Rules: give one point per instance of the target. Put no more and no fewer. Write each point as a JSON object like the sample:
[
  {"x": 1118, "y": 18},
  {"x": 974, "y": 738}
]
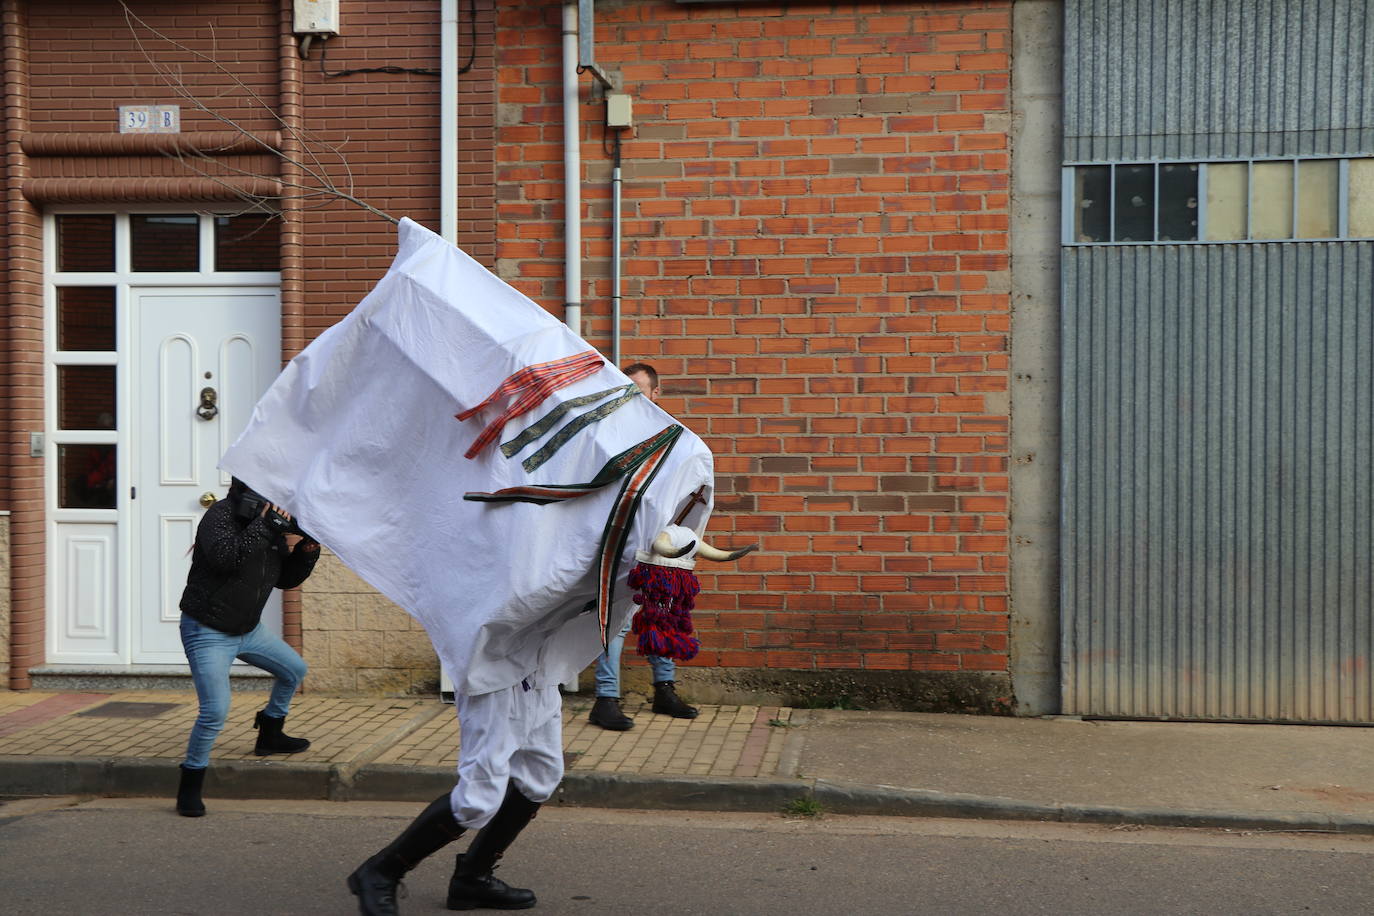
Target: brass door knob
[{"x": 207, "y": 499}]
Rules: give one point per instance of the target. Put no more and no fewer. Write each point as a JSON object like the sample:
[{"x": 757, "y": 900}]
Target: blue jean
[
  {"x": 608, "y": 666},
  {"x": 210, "y": 653}
]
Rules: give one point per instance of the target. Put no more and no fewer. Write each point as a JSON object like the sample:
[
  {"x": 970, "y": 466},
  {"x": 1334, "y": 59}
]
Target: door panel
[
  {"x": 83, "y": 594},
  {"x": 227, "y": 340}
]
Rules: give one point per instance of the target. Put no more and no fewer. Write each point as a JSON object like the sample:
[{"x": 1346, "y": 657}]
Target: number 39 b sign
[{"x": 150, "y": 119}]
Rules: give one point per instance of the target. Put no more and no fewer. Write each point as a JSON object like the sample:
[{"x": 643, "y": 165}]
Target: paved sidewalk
[{"x": 731, "y": 758}]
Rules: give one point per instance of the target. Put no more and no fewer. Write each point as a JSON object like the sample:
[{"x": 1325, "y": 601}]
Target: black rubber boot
[
  {"x": 606, "y": 712},
  {"x": 188, "y": 792},
  {"x": 271, "y": 740},
  {"x": 376, "y": 880},
  {"x": 667, "y": 702},
  {"x": 473, "y": 886}
]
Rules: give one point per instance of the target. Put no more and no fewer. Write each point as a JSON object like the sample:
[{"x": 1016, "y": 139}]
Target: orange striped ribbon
[{"x": 532, "y": 385}]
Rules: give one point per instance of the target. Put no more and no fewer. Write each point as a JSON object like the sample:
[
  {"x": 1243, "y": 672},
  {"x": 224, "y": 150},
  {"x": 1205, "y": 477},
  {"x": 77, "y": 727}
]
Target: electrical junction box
[
  {"x": 316, "y": 17},
  {"x": 618, "y": 111}
]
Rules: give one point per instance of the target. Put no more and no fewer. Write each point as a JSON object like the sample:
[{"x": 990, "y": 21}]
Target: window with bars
[{"x": 1247, "y": 200}]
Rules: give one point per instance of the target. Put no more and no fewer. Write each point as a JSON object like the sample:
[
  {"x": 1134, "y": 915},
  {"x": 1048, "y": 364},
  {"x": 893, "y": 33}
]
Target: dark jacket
[{"x": 234, "y": 567}]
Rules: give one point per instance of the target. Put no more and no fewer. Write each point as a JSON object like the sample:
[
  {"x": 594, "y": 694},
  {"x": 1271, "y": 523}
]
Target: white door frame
[{"x": 110, "y": 625}]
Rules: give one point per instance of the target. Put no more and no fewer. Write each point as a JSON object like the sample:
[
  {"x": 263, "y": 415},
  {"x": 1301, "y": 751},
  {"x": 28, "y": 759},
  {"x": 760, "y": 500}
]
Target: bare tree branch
[{"x": 319, "y": 183}]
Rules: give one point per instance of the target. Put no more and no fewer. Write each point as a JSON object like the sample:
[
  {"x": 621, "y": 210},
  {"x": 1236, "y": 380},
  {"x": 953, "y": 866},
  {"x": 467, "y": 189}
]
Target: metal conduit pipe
[
  {"x": 572, "y": 176},
  {"x": 448, "y": 120}
]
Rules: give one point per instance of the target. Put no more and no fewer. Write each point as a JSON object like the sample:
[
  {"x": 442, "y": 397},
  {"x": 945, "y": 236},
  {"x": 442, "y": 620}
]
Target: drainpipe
[
  {"x": 615, "y": 255},
  {"x": 448, "y": 120},
  {"x": 572, "y": 176}
]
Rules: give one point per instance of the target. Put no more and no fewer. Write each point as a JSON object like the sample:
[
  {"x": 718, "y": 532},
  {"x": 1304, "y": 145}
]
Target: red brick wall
[{"x": 816, "y": 258}]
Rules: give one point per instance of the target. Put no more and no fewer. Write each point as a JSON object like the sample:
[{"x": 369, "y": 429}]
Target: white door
[{"x": 203, "y": 358}]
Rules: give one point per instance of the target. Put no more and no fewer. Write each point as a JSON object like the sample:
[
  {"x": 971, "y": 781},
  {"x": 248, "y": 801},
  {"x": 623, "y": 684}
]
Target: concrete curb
[
  {"x": 282, "y": 779},
  {"x": 852, "y": 798},
  {"x": 680, "y": 793}
]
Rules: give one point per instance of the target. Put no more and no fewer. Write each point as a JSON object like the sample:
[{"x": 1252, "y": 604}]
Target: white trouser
[{"x": 511, "y": 734}]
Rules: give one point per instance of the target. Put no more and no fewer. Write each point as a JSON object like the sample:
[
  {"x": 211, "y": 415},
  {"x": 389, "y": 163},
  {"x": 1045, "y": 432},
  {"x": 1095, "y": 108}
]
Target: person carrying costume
[
  {"x": 240, "y": 555},
  {"x": 479, "y": 464}
]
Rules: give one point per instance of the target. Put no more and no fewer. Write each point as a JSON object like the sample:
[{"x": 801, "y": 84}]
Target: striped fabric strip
[
  {"x": 617, "y": 530},
  {"x": 550, "y": 419},
  {"x": 520, "y": 379},
  {"x": 532, "y": 395},
  {"x": 611, "y": 471},
  {"x": 575, "y": 426}
]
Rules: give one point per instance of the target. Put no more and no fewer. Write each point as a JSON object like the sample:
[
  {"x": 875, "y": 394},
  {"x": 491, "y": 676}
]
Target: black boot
[
  {"x": 473, "y": 886},
  {"x": 606, "y": 713},
  {"x": 271, "y": 740},
  {"x": 667, "y": 702},
  {"x": 376, "y": 880},
  {"x": 188, "y": 792}
]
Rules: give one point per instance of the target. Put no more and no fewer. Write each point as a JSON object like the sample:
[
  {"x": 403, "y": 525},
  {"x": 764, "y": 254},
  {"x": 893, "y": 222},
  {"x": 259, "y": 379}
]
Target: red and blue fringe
[{"x": 666, "y": 596}]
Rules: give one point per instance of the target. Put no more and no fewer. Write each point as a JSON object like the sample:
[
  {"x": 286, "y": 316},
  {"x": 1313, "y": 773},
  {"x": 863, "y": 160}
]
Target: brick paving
[{"x": 745, "y": 741}]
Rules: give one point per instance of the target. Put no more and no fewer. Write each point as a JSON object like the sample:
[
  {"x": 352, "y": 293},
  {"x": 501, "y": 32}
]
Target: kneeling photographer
[{"x": 240, "y": 555}]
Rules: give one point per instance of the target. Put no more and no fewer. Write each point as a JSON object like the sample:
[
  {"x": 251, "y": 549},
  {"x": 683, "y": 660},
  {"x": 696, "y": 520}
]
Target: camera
[{"x": 250, "y": 506}]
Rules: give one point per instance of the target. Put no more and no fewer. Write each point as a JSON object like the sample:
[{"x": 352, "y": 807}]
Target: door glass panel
[
  {"x": 85, "y": 397},
  {"x": 86, "y": 476},
  {"x": 85, "y": 243},
  {"x": 1271, "y": 200},
  {"x": 165, "y": 243},
  {"x": 247, "y": 242},
  {"x": 1319, "y": 182},
  {"x": 1135, "y": 203},
  {"x": 86, "y": 318},
  {"x": 1178, "y": 202}
]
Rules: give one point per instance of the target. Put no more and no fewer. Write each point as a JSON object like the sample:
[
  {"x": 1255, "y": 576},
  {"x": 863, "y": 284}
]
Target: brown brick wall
[
  {"x": 71, "y": 65},
  {"x": 85, "y": 62},
  {"x": 23, "y": 402},
  {"x": 816, "y": 258}
]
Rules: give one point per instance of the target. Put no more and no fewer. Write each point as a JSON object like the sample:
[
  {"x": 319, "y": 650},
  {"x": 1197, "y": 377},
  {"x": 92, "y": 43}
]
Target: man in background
[{"x": 606, "y": 711}]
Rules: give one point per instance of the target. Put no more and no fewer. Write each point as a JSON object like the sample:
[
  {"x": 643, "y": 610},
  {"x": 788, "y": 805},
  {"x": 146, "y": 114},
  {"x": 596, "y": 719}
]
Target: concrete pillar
[{"x": 1037, "y": 132}]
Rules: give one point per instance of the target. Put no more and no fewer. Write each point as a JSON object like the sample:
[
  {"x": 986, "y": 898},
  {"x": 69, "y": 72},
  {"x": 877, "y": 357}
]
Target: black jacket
[{"x": 234, "y": 567}]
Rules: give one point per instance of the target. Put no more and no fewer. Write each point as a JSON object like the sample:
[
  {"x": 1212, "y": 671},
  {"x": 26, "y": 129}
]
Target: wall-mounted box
[{"x": 316, "y": 17}]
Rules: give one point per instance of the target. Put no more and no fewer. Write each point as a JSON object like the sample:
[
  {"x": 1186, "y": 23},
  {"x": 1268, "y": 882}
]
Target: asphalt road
[{"x": 135, "y": 856}]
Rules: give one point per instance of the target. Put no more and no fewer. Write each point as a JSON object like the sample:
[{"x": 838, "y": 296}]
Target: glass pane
[
  {"x": 85, "y": 397},
  {"x": 86, "y": 476},
  {"x": 1361, "y": 213},
  {"x": 1271, "y": 200},
  {"x": 1319, "y": 190},
  {"x": 85, "y": 243},
  {"x": 1178, "y": 202},
  {"x": 1092, "y": 216},
  {"x": 1135, "y": 203},
  {"x": 247, "y": 242},
  {"x": 85, "y": 318},
  {"x": 1227, "y": 201},
  {"x": 165, "y": 243}
]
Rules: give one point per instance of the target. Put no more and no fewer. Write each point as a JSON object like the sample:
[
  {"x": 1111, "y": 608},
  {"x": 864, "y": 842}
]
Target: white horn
[
  {"x": 722, "y": 556},
  {"x": 663, "y": 546}
]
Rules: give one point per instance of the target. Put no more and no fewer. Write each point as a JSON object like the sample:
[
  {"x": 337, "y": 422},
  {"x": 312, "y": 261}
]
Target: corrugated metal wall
[
  {"x": 1199, "y": 79},
  {"x": 1218, "y": 443},
  {"x": 1218, "y": 523}
]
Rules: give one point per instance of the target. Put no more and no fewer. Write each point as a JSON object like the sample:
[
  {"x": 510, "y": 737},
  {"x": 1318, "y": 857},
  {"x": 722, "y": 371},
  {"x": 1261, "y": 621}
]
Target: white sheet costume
[{"x": 359, "y": 439}]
